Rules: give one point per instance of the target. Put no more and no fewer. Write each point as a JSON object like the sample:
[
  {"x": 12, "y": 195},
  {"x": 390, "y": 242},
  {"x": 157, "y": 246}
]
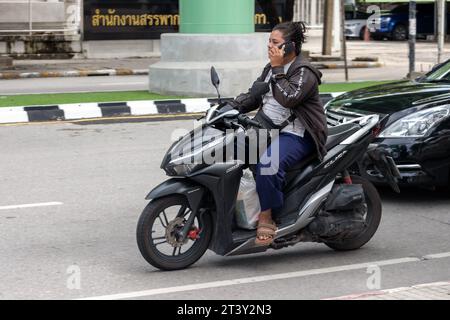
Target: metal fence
[{"x": 310, "y": 11}]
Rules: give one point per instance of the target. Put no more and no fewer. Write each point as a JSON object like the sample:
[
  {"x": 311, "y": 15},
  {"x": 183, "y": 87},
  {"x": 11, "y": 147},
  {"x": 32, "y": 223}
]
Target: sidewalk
[
  {"x": 76, "y": 68},
  {"x": 429, "y": 291},
  {"x": 117, "y": 67},
  {"x": 392, "y": 63}
]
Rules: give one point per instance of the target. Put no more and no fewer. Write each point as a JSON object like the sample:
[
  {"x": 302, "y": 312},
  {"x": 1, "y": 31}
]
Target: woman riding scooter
[{"x": 293, "y": 106}]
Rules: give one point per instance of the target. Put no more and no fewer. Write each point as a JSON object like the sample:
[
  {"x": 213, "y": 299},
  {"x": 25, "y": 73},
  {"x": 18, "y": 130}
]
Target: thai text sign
[{"x": 148, "y": 19}]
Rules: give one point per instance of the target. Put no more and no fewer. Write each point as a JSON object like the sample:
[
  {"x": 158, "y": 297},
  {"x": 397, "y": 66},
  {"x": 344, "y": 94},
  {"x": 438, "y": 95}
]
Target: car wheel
[
  {"x": 400, "y": 33},
  {"x": 448, "y": 182},
  {"x": 376, "y": 37}
]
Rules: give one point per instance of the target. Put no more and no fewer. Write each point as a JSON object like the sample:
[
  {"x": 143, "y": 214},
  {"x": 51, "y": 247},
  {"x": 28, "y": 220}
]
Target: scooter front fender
[{"x": 191, "y": 190}]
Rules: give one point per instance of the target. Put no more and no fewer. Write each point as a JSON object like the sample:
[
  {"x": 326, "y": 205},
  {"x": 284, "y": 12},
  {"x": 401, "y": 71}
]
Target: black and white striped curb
[{"x": 112, "y": 109}]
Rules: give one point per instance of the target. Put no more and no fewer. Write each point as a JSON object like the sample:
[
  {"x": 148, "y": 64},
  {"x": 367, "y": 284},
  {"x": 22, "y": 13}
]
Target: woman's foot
[{"x": 265, "y": 233}]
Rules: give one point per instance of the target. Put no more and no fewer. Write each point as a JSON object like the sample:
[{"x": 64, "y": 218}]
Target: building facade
[{"x": 92, "y": 28}]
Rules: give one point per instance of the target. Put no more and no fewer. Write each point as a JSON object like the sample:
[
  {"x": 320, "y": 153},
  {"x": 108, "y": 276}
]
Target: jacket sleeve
[
  {"x": 292, "y": 91},
  {"x": 245, "y": 102}
]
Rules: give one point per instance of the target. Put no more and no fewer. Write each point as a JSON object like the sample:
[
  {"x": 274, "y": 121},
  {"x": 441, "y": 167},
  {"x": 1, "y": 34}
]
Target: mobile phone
[{"x": 289, "y": 47}]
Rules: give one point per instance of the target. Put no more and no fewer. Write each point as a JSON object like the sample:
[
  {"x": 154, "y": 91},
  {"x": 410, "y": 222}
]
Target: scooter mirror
[{"x": 215, "y": 78}]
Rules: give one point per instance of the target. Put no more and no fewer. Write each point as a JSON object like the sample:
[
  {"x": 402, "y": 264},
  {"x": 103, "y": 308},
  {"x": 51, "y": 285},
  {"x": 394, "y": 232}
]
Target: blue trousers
[{"x": 283, "y": 153}]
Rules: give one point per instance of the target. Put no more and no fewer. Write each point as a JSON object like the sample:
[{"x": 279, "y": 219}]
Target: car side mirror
[{"x": 436, "y": 66}]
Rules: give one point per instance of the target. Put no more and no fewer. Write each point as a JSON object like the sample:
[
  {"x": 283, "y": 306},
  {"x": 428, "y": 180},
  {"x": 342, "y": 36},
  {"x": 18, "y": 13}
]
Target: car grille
[{"x": 335, "y": 118}]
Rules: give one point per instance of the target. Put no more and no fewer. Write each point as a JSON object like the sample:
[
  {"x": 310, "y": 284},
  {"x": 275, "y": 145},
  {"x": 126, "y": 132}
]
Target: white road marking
[
  {"x": 31, "y": 205},
  {"x": 437, "y": 255},
  {"x": 280, "y": 276}
]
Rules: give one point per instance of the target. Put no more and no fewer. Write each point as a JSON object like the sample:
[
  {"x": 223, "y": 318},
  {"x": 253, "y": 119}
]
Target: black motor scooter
[{"x": 195, "y": 209}]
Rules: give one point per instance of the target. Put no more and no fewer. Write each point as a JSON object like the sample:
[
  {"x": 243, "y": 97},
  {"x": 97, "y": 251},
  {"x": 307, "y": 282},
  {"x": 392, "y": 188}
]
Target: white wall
[
  {"x": 42, "y": 11},
  {"x": 45, "y": 14}
]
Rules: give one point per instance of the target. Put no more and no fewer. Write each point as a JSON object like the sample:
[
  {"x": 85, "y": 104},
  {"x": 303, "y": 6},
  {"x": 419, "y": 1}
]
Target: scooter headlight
[
  {"x": 417, "y": 124},
  {"x": 181, "y": 169}
]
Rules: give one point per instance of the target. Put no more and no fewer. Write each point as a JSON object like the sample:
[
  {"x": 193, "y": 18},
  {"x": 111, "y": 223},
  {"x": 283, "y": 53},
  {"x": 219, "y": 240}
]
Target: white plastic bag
[{"x": 247, "y": 203}]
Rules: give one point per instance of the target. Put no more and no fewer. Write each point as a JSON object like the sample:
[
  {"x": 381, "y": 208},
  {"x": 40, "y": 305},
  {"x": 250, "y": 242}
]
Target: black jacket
[{"x": 298, "y": 90}]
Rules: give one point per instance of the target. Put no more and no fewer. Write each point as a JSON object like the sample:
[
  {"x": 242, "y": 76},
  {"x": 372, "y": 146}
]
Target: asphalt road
[{"x": 83, "y": 245}]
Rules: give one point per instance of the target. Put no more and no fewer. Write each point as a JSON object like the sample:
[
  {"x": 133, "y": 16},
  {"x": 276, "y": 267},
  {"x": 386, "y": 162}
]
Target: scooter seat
[
  {"x": 303, "y": 164},
  {"x": 339, "y": 133},
  {"x": 335, "y": 136},
  {"x": 293, "y": 174}
]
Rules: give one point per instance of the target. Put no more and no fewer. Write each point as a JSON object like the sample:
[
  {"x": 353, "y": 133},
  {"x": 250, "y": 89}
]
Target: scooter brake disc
[{"x": 172, "y": 230}]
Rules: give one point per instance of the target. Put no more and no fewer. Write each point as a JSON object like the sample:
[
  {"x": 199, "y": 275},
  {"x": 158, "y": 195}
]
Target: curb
[
  {"x": 428, "y": 291},
  {"x": 72, "y": 73},
  {"x": 351, "y": 65},
  {"x": 112, "y": 109},
  {"x": 128, "y": 72}
]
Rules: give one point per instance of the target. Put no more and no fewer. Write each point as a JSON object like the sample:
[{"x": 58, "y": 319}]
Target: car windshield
[{"x": 440, "y": 73}]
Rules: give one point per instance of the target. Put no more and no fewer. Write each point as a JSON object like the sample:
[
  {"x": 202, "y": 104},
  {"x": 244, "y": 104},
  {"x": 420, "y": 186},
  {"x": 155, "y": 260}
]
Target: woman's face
[{"x": 275, "y": 39}]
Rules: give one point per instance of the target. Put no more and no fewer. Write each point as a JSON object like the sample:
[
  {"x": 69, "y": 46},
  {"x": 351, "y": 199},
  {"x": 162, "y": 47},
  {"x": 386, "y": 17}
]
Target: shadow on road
[
  {"x": 299, "y": 255},
  {"x": 414, "y": 194}
]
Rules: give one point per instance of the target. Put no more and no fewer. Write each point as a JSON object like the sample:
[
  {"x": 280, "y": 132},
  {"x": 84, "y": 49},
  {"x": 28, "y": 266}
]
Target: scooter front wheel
[{"x": 158, "y": 234}]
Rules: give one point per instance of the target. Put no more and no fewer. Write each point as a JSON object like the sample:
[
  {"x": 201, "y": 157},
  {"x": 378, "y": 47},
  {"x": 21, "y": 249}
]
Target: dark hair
[{"x": 293, "y": 31}]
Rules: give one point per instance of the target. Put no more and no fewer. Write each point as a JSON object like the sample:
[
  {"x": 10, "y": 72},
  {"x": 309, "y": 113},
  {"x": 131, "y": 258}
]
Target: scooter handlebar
[{"x": 245, "y": 120}]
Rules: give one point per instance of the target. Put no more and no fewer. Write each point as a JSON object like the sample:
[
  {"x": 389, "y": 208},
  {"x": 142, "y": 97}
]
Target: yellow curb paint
[
  {"x": 152, "y": 116},
  {"x": 9, "y": 75},
  {"x": 124, "y": 72}
]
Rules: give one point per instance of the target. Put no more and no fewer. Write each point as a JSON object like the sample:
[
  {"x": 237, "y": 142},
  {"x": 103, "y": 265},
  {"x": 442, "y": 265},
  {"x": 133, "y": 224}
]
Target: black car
[{"x": 416, "y": 128}]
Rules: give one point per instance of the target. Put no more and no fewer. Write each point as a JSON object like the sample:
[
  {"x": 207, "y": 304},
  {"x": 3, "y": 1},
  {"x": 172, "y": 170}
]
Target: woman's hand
[{"x": 276, "y": 56}]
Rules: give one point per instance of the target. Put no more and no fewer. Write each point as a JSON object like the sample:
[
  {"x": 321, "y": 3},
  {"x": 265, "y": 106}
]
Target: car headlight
[{"x": 417, "y": 124}]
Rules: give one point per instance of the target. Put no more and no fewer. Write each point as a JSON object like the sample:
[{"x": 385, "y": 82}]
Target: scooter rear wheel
[
  {"x": 373, "y": 218},
  {"x": 157, "y": 234}
]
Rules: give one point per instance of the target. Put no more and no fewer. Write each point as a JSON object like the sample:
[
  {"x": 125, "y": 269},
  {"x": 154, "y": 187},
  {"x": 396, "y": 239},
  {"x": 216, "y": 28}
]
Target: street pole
[
  {"x": 328, "y": 28},
  {"x": 441, "y": 27},
  {"x": 412, "y": 38},
  {"x": 343, "y": 38},
  {"x": 217, "y": 16},
  {"x": 30, "y": 17}
]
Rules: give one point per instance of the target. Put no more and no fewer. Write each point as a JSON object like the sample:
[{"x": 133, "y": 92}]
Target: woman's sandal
[{"x": 266, "y": 230}]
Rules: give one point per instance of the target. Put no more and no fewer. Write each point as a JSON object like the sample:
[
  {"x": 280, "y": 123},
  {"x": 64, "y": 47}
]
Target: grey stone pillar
[
  {"x": 213, "y": 33},
  {"x": 186, "y": 60}
]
